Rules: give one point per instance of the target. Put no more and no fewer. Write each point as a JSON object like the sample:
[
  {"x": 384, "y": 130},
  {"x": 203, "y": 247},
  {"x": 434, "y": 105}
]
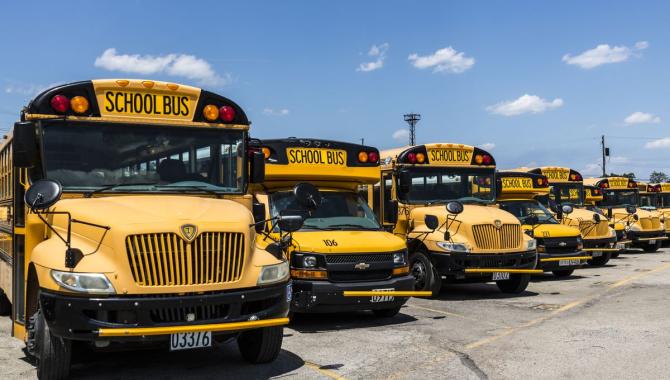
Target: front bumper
[
  {"x": 154, "y": 317},
  {"x": 643, "y": 238},
  {"x": 550, "y": 261},
  {"x": 455, "y": 264},
  {"x": 327, "y": 297}
]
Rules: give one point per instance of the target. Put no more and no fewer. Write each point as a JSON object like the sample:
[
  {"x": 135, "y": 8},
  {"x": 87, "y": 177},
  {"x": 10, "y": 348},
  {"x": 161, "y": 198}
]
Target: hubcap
[{"x": 419, "y": 273}]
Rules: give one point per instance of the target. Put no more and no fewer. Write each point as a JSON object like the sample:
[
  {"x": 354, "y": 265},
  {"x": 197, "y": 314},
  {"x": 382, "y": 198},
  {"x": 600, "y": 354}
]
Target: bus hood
[
  {"x": 553, "y": 231},
  {"x": 347, "y": 241},
  {"x": 584, "y": 220},
  {"x": 471, "y": 215}
]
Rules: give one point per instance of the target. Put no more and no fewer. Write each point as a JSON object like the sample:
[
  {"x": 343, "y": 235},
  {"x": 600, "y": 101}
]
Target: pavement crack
[{"x": 470, "y": 364}]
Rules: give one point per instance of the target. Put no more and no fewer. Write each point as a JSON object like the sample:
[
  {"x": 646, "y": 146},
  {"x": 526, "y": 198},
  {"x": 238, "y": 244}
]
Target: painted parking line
[
  {"x": 452, "y": 314},
  {"x": 325, "y": 372}
]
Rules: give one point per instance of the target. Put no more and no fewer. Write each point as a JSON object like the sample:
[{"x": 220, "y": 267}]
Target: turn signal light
[
  {"x": 420, "y": 158},
  {"x": 210, "y": 112},
  {"x": 79, "y": 104},
  {"x": 60, "y": 103},
  {"x": 362, "y": 157},
  {"x": 479, "y": 159},
  {"x": 266, "y": 152},
  {"x": 400, "y": 271},
  {"x": 309, "y": 274},
  {"x": 227, "y": 113},
  {"x": 604, "y": 185}
]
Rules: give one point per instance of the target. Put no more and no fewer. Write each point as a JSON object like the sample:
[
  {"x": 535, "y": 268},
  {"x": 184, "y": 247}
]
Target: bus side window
[{"x": 387, "y": 182}]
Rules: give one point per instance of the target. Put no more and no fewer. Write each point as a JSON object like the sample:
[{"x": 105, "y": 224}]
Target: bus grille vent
[{"x": 487, "y": 236}]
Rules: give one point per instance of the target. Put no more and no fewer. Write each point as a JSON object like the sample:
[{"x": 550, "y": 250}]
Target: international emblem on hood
[
  {"x": 188, "y": 232},
  {"x": 362, "y": 266},
  {"x": 497, "y": 223}
]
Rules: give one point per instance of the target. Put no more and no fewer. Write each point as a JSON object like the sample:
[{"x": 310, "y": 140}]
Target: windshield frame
[
  {"x": 180, "y": 187},
  {"x": 604, "y": 203},
  {"x": 467, "y": 171},
  {"x": 555, "y": 187},
  {"x": 539, "y": 206}
]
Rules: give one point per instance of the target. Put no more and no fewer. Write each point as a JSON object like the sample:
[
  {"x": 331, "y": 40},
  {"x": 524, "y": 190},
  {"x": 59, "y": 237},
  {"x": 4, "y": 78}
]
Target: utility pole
[
  {"x": 412, "y": 119},
  {"x": 606, "y": 153},
  {"x": 362, "y": 141}
]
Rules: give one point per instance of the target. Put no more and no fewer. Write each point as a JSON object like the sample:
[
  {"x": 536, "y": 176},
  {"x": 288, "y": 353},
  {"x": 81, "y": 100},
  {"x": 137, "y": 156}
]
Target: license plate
[
  {"x": 620, "y": 246},
  {"x": 569, "y": 263},
  {"x": 596, "y": 253},
  {"x": 497, "y": 276},
  {"x": 381, "y": 298},
  {"x": 189, "y": 340},
  {"x": 652, "y": 242}
]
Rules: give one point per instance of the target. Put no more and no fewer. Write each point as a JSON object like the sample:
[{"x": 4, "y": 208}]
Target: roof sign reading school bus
[
  {"x": 124, "y": 100},
  {"x": 519, "y": 183},
  {"x": 612, "y": 183},
  {"x": 296, "y": 159},
  {"x": 649, "y": 188},
  {"x": 458, "y": 155},
  {"x": 592, "y": 194},
  {"x": 557, "y": 174},
  {"x": 665, "y": 187}
]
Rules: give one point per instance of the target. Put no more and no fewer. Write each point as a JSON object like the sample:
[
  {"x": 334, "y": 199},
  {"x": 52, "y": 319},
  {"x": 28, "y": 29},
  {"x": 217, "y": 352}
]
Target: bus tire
[
  {"x": 600, "y": 261},
  {"x": 5, "y": 305},
  {"x": 386, "y": 313},
  {"x": 563, "y": 273},
  {"x": 615, "y": 255},
  {"x": 651, "y": 247},
  {"x": 425, "y": 276},
  {"x": 52, "y": 354},
  {"x": 516, "y": 284},
  {"x": 261, "y": 345}
]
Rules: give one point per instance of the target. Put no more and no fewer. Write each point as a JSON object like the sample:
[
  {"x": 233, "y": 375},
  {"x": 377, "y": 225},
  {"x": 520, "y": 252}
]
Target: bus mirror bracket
[
  {"x": 258, "y": 210},
  {"x": 257, "y": 168},
  {"x": 393, "y": 212},
  {"x": 404, "y": 181},
  {"x": 43, "y": 194},
  {"x": 24, "y": 145}
]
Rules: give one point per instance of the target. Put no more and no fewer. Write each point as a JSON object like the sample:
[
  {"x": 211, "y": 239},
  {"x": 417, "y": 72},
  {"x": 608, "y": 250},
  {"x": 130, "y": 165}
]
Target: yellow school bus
[
  {"x": 445, "y": 195},
  {"x": 128, "y": 222},
  {"x": 593, "y": 195},
  {"x": 341, "y": 246},
  {"x": 648, "y": 198},
  {"x": 663, "y": 206},
  {"x": 620, "y": 197},
  {"x": 559, "y": 247},
  {"x": 567, "y": 188}
]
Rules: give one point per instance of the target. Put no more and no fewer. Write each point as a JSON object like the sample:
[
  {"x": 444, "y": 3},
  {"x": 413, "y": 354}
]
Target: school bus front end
[
  {"x": 447, "y": 213},
  {"x": 559, "y": 247},
  {"x": 150, "y": 241},
  {"x": 567, "y": 187},
  {"x": 592, "y": 196},
  {"x": 341, "y": 248},
  {"x": 620, "y": 199},
  {"x": 664, "y": 206}
]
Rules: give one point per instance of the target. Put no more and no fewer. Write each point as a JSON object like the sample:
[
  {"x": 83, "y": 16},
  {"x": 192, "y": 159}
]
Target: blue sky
[{"x": 535, "y": 82}]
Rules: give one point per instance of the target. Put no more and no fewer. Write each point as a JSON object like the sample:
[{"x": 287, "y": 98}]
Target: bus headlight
[
  {"x": 271, "y": 274},
  {"x": 452, "y": 247},
  {"x": 399, "y": 258},
  {"x": 309, "y": 261},
  {"x": 96, "y": 283},
  {"x": 532, "y": 245}
]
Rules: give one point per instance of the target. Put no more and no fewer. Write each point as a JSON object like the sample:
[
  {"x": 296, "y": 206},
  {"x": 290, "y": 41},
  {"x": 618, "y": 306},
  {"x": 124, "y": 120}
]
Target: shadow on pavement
[
  {"x": 315, "y": 323},
  {"x": 223, "y": 362},
  {"x": 477, "y": 291},
  {"x": 550, "y": 277}
]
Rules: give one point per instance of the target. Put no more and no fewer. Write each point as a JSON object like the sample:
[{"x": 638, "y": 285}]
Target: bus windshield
[
  {"x": 525, "y": 208},
  {"x": 572, "y": 193},
  {"x": 664, "y": 200},
  {"x": 339, "y": 210},
  {"x": 615, "y": 198},
  {"x": 128, "y": 157},
  {"x": 440, "y": 185},
  {"x": 648, "y": 200}
]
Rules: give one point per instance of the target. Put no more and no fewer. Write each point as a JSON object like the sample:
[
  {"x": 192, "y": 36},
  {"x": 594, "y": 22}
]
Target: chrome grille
[
  {"x": 357, "y": 258},
  {"x": 165, "y": 259},
  {"x": 488, "y": 237},
  {"x": 590, "y": 229}
]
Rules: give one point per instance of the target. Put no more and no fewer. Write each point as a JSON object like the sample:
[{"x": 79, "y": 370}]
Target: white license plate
[
  {"x": 652, "y": 242},
  {"x": 569, "y": 263},
  {"x": 497, "y": 276},
  {"x": 381, "y": 298},
  {"x": 620, "y": 246},
  {"x": 189, "y": 340},
  {"x": 596, "y": 253}
]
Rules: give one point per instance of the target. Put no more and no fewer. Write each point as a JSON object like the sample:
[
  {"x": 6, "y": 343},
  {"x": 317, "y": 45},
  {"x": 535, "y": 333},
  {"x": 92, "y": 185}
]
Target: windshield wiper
[
  {"x": 473, "y": 200},
  {"x": 111, "y": 186},
  {"x": 313, "y": 227},
  {"x": 358, "y": 226},
  {"x": 191, "y": 187}
]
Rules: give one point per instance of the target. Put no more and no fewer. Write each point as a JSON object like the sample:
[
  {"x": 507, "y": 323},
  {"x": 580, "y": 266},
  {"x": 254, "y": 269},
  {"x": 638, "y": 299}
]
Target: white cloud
[
  {"x": 642, "y": 118},
  {"x": 378, "y": 52},
  {"x": 603, "y": 54},
  {"x": 524, "y": 104},
  {"x": 276, "y": 112},
  {"x": 181, "y": 65},
  {"x": 401, "y": 135},
  {"x": 487, "y": 146},
  {"x": 658, "y": 144},
  {"x": 28, "y": 89},
  {"x": 443, "y": 60},
  {"x": 619, "y": 160}
]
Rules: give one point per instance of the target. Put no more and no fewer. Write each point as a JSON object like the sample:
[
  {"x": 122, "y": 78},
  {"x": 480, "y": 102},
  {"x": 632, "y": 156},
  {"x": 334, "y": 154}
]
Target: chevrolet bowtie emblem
[
  {"x": 497, "y": 223},
  {"x": 362, "y": 266},
  {"x": 562, "y": 244},
  {"x": 189, "y": 231}
]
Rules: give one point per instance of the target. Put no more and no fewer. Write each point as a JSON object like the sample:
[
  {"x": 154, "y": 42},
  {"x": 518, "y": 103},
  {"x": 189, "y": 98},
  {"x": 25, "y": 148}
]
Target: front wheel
[
  {"x": 651, "y": 247},
  {"x": 600, "y": 260},
  {"x": 563, "y": 273},
  {"x": 516, "y": 284},
  {"x": 52, "y": 354},
  {"x": 615, "y": 255},
  {"x": 386, "y": 313},
  {"x": 425, "y": 276},
  {"x": 261, "y": 345}
]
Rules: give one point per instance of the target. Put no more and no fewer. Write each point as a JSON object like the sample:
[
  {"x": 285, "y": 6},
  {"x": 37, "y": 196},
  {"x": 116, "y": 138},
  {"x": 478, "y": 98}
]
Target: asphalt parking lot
[{"x": 609, "y": 322}]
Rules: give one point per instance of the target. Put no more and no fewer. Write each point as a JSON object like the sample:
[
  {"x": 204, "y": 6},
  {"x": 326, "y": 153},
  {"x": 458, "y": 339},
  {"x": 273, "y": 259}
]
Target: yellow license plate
[
  {"x": 147, "y": 104},
  {"x": 449, "y": 156},
  {"x": 316, "y": 157}
]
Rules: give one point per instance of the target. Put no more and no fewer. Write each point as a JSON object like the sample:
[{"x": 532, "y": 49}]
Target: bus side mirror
[
  {"x": 257, "y": 174},
  {"x": 290, "y": 220},
  {"x": 631, "y": 209},
  {"x": 596, "y": 218},
  {"x": 258, "y": 210},
  {"x": 431, "y": 221},
  {"x": 404, "y": 181},
  {"x": 43, "y": 194},
  {"x": 24, "y": 145},
  {"x": 566, "y": 209},
  {"x": 609, "y": 213},
  {"x": 307, "y": 195},
  {"x": 392, "y": 213},
  {"x": 454, "y": 207}
]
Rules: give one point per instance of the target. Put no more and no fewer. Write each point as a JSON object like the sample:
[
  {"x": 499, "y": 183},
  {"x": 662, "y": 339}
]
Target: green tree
[
  {"x": 658, "y": 177},
  {"x": 630, "y": 175}
]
